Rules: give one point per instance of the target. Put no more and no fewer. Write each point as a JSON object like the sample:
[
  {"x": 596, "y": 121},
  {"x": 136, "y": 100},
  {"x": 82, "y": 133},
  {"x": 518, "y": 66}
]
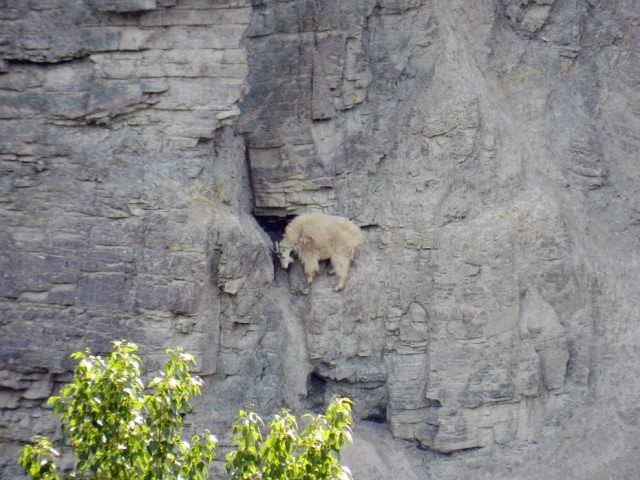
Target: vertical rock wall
[
  {"x": 151, "y": 147},
  {"x": 125, "y": 200}
]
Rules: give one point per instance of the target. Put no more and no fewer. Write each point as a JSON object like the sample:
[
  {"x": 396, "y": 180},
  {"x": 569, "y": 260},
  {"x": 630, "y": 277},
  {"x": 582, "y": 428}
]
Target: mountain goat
[{"x": 316, "y": 236}]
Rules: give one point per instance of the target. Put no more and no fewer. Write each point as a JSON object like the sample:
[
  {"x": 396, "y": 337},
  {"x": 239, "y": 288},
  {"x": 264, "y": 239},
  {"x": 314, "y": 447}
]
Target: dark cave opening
[
  {"x": 316, "y": 389},
  {"x": 379, "y": 416},
  {"x": 274, "y": 225}
]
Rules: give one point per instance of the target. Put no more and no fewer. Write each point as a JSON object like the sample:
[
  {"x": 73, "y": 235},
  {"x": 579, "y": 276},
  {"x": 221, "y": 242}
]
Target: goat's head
[{"x": 284, "y": 254}]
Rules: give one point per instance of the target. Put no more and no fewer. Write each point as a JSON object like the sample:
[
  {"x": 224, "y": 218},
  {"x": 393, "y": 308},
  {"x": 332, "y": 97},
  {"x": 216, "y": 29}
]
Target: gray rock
[
  {"x": 122, "y": 6},
  {"x": 152, "y": 150}
]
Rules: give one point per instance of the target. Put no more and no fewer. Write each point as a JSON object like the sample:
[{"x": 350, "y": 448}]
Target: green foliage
[
  {"x": 38, "y": 459},
  {"x": 120, "y": 430},
  {"x": 285, "y": 453},
  {"x": 116, "y": 430}
]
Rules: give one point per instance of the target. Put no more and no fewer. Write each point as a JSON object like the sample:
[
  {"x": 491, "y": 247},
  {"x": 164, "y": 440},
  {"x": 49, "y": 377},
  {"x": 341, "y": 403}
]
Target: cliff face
[{"x": 152, "y": 149}]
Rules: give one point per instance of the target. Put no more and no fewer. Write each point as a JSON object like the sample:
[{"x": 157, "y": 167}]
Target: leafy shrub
[
  {"x": 119, "y": 432},
  {"x": 116, "y": 430},
  {"x": 284, "y": 452}
]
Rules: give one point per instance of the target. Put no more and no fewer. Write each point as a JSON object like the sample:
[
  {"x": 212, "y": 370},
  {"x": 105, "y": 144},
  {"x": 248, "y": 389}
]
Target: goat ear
[{"x": 277, "y": 246}]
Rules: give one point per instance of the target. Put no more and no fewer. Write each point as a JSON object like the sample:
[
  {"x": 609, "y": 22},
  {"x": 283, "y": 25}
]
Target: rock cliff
[{"x": 151, "y": 150}]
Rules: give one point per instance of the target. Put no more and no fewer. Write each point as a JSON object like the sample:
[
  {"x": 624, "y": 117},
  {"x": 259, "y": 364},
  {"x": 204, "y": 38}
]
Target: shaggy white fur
[{"x": 314, "y": 237}]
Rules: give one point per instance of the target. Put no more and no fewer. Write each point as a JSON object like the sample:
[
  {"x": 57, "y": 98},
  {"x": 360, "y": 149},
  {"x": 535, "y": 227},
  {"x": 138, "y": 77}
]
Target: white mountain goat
[{"x": 316, "y": 236}]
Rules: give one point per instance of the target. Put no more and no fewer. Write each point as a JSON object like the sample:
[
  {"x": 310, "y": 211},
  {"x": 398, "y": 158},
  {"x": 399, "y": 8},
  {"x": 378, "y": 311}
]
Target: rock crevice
[{"x": 152, "y": 150}]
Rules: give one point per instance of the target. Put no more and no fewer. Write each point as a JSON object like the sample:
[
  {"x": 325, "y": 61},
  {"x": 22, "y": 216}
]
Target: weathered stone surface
[
  {"x": 151, "y": 150},
  {"x": 122, "y": 6},
  {"x": 98, "y": 246}
]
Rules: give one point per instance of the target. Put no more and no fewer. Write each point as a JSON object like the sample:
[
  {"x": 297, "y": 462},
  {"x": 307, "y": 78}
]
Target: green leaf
[{"x": 117, "y": 432}]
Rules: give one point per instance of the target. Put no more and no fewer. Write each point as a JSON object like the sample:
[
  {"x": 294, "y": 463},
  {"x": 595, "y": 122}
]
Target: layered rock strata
[{"x": 151, "y": 150}]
